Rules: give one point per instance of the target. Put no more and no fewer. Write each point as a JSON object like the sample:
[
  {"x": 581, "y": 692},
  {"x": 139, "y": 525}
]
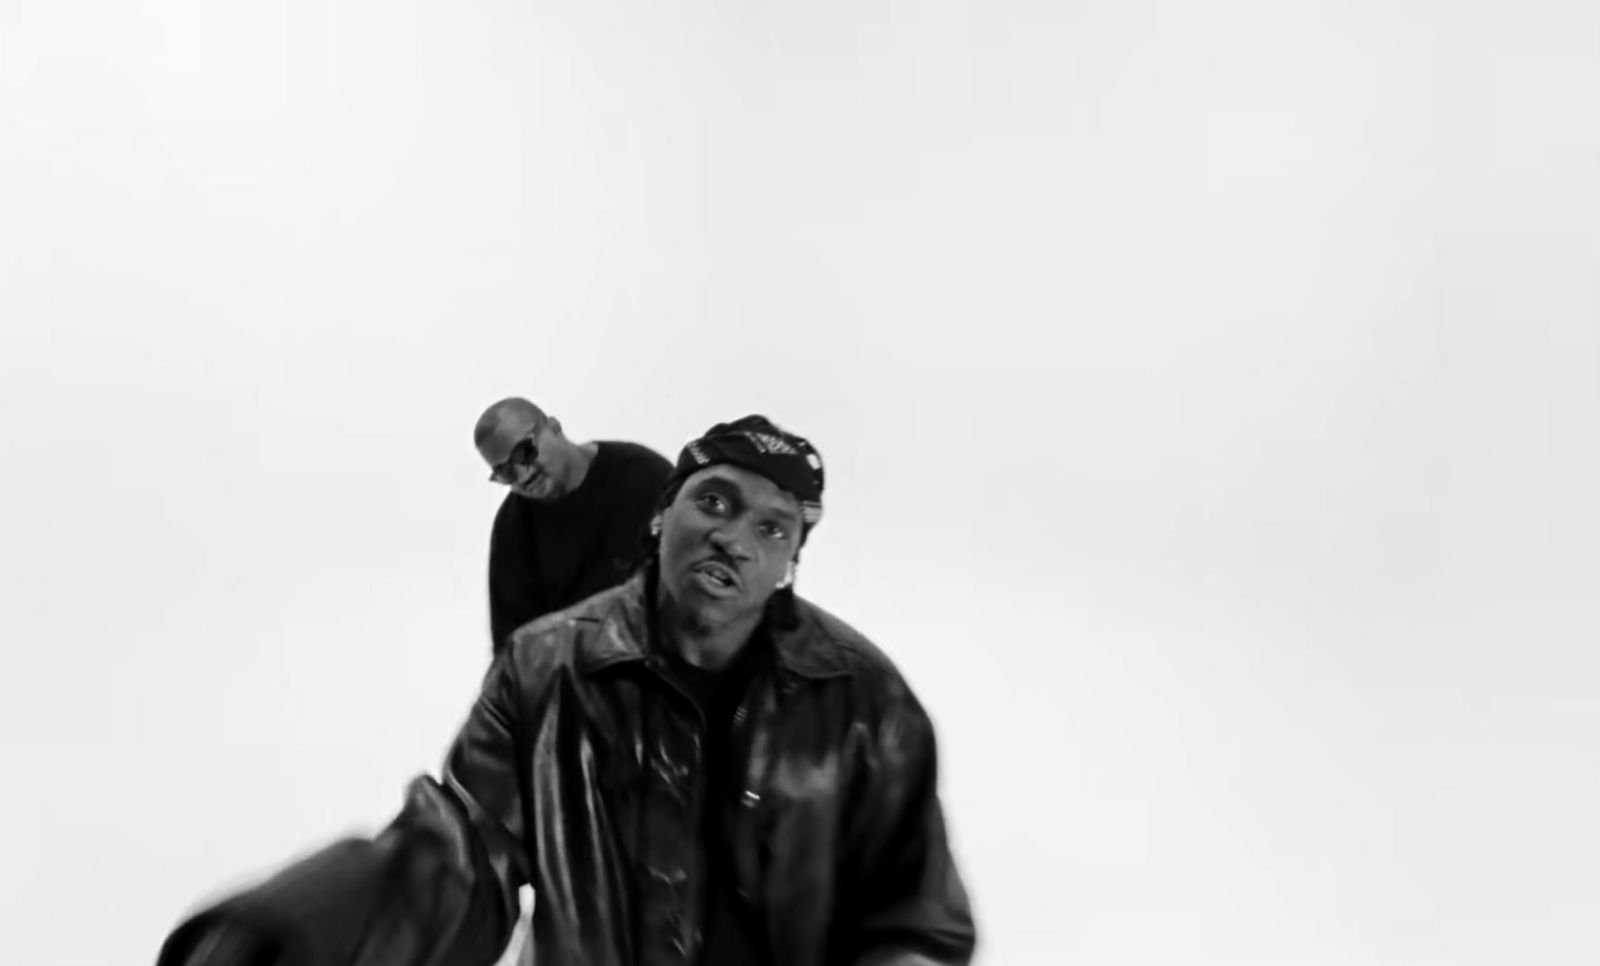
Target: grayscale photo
[{"x": 518, "y": 483}]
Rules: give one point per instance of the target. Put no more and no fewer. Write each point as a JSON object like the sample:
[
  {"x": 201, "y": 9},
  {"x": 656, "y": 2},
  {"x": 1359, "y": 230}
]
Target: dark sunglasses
[{"x": 523, "y": 454}]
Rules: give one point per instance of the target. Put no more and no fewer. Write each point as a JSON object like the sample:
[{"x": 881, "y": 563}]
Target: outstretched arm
[{"x": 439, "y": 885}]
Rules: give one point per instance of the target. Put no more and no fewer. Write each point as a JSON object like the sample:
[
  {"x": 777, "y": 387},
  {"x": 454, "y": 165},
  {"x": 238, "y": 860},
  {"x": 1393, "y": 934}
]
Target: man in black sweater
[{"x": 574, "y": 519}]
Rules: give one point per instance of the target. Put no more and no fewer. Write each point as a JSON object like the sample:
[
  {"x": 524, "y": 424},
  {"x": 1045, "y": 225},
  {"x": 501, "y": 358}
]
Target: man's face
[
  {"x": 520, "y": 456},
  {"x": 726, "y": 543}
]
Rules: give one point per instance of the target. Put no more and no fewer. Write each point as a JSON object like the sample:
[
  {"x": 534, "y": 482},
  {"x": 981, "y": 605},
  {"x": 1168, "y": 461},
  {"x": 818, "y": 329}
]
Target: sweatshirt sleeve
[
  {"x": 513, "y": 593},
  {"x": 639, "y": 489}
]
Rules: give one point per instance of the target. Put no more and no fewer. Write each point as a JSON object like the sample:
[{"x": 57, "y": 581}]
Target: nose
[{"x": 732, "y": 540}]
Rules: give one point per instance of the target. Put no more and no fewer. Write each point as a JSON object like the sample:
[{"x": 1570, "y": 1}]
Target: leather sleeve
[
  {"x": 907, "y": 900},
  {"x": 438, "y": 886}
]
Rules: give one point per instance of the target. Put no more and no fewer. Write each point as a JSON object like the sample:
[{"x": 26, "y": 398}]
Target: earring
[{"x": 655, "y": 527}]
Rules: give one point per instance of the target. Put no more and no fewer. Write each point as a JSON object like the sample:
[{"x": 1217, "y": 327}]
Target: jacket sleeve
[
  {"x": 438, "y": 885},
  {"x": 908, "y": 903}
]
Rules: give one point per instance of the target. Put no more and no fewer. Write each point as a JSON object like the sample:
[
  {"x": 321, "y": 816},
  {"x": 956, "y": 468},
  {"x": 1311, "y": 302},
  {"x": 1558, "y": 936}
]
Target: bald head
[
  {"x": 526, "y": 450},
  {"x": 512, "y": 417}
]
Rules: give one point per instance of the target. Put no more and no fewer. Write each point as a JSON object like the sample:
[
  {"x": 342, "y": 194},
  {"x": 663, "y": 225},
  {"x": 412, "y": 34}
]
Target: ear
[
  {"x": 554, "y": 425},
  {"x": 655, "y": 525}
]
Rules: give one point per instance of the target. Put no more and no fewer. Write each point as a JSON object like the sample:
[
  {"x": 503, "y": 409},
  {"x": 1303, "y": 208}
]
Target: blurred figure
[
  {"x": 696, "y": 767},
  {"x": 572, "y": 520}
]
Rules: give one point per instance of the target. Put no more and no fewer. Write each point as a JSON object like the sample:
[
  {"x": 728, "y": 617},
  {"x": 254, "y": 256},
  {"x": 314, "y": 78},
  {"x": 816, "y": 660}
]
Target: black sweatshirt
[{"x": 544, "y": 557}]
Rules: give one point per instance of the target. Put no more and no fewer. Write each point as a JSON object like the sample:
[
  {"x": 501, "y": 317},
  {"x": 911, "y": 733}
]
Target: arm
[
  {"x": 637, "y": 502},
  {"x": 513, "y": 599},
  {"x": 439, "y": 885},
  {"x": 633, "y": 503},
  {"x": 907, "y": 899}
]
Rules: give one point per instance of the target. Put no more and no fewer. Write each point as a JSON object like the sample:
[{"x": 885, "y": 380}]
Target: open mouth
[{"x": 716, "y": 578}]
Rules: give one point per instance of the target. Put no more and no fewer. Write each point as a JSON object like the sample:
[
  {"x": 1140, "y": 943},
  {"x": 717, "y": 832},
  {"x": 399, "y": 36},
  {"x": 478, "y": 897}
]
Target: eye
[
  {"x": 774, "y": 531},
  {"x": 712, "y": 502}
]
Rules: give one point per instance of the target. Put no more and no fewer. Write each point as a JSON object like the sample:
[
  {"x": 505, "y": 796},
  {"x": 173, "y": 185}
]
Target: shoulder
[
  {"x": 635, "y": 473},
  {"x": 875, "y": 695},
  {"x": 635, "y": 458},
  {"x": 831, "y": 647},
  {"x": 550, "y": 640},
  {"x": 512, "y": 510},
  {"x": 576, "y": 637}
]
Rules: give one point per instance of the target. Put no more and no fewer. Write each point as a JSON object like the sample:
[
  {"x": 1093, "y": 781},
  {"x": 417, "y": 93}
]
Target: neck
[{"x": 698, "y": 643}]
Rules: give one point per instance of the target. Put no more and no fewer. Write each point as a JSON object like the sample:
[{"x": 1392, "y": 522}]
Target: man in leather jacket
[{"x": 695, "y": 767}]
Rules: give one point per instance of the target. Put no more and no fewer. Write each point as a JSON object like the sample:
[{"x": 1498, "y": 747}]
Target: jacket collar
[{"x": 624, "y": 618}]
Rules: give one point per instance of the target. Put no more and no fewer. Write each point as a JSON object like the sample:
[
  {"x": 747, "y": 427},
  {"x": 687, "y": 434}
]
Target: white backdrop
[{"x": 1210, "y": 393}]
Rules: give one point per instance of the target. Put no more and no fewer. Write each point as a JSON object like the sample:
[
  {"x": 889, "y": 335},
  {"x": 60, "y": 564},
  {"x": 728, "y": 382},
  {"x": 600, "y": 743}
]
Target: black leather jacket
[{"x": 579, "y": 773}]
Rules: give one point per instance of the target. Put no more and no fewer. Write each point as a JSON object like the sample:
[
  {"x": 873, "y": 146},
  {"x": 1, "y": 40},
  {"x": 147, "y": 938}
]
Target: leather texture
[{"x": 579, "y": 771}]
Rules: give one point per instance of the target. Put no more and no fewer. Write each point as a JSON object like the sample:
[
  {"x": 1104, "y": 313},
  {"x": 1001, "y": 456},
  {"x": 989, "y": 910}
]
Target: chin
[
  {"x": 693, "y": 602},
  {"x": 539, "y": 491}
]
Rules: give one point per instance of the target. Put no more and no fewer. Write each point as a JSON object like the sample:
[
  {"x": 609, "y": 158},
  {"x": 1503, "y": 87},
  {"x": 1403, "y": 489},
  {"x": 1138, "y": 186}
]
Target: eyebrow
[{"x": 717, "y": 480}]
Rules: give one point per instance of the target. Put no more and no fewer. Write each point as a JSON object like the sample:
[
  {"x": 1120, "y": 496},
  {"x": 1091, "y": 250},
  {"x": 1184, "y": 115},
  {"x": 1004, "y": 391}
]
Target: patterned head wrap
[{"x": 755, "y": 444}]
